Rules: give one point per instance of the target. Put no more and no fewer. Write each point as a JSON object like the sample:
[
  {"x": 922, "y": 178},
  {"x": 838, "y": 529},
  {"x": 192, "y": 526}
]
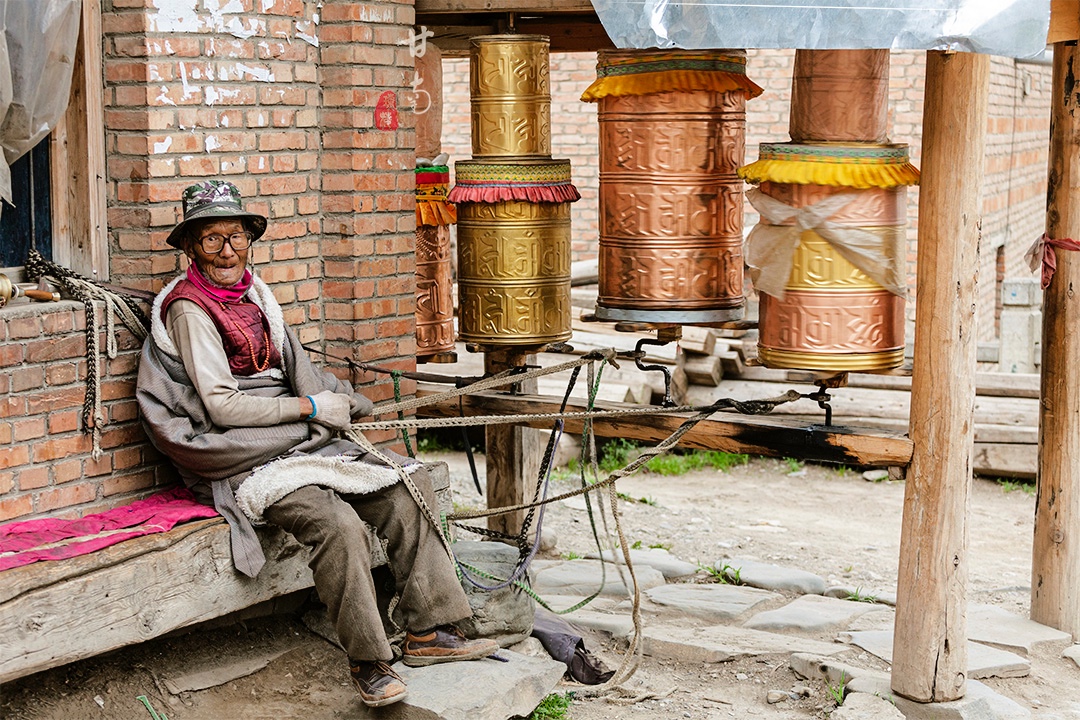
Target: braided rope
[
  {"x": 506, "y": 377},
  {"x": 90, "y": 293}
]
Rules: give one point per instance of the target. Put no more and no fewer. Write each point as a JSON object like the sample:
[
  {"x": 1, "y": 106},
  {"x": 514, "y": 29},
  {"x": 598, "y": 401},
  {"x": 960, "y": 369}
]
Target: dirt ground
[{"x": 825, "y": 520}]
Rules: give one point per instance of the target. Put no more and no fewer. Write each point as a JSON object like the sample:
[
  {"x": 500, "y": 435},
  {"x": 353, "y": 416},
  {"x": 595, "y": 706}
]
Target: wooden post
[
  {"x": 929, "y": 649},
  {"x": 512, "y": 456},
  {"x": 1055, "y": 566}
]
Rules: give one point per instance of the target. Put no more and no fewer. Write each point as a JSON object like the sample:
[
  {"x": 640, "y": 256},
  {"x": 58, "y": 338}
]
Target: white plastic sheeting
[
  {"x": 37, "y": 52},
  {"x": 1013, "y": 28}
]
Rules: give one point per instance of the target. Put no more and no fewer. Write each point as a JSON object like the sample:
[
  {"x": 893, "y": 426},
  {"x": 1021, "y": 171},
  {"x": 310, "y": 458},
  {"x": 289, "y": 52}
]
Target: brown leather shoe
[
  {"x": 444, "y": 644},
  {"x": 377, "y": 683}
]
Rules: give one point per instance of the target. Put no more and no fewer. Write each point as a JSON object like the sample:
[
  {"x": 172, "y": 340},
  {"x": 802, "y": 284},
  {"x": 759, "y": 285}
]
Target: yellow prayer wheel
[
  {"x": 510, "y": 96},
  {"x": 514, "y": 272},
  {"x": 672, "y": 138},
  {"x": 833, "y": 315}
]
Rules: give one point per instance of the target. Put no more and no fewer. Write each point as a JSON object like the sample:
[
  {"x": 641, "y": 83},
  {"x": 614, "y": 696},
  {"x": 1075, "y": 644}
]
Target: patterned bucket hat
[{"x": 214, "y": 199}]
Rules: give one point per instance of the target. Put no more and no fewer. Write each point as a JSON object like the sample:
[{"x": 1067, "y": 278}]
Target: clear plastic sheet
[
  {"x": 1013, "y": 28},
  {"x": 37, "y": 53}
]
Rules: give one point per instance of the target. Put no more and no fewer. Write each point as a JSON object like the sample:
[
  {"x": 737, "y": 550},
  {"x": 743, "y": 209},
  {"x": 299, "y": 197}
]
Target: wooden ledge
[{"x": 757, "y": 435}]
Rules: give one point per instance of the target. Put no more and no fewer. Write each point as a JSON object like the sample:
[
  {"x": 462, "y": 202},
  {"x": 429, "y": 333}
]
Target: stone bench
[{"x": 57, "y": 612}]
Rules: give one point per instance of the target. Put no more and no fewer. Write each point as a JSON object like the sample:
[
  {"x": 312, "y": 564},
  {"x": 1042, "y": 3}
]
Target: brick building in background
[
  {"x": 1014, "y": 202},
  {"x": 276, "y": 96},
  {"x": 279, "y": 97}
]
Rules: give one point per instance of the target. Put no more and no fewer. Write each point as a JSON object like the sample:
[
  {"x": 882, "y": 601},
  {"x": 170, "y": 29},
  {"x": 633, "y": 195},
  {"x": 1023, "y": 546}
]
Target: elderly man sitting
[{"x": 228, "y": 394}]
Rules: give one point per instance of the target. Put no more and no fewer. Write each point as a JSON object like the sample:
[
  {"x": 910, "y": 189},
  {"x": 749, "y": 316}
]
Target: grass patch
[
  {"x": 836, "y": 692},
  {"x": 1009, "y": 486},
  {"x": 857, "y": 596},
  {"x": 725, "y": 574},
  {"x": 571, "y": 555},
  {"x": 793, "y": 465},
  {"x": 554, "y": 707}
]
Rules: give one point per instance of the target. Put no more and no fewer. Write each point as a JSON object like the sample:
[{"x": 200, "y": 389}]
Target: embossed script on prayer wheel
[
  {"x": 840, "y": 96},
  {"x": 511, "y": 96},
  {"x": 833, "y": 316},
  {"x": 671, "y": 206},
  {"x": 514, "y": 272},
  {"x": 434, "y": 292}
]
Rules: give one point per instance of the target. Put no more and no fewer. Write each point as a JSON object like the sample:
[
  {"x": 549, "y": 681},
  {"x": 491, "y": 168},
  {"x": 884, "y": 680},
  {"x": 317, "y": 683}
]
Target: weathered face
[{"x": 225, "y": 268}]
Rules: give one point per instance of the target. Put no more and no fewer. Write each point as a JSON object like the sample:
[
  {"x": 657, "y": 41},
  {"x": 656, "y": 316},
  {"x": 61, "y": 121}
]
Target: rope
[
  {"x": 89, "y": 293},
  {"x": 745, "y": 407},
  {"x": 395, "y": 375}
]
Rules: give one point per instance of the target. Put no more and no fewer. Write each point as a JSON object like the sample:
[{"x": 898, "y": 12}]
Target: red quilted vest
[{"x": 243, "y": 328}]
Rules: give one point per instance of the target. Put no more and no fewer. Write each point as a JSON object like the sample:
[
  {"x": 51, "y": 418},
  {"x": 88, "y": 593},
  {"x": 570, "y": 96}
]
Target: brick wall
[
  {"x": 278, "y": 97},
  {"x": 1014, "y": 178}
]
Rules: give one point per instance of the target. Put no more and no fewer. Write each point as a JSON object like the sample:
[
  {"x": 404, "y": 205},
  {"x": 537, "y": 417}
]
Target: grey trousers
[{"x": 329, "y": 523}]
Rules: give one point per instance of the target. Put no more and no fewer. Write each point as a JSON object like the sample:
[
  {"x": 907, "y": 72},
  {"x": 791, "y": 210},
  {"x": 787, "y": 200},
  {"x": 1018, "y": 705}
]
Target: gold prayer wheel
[
  {"x": 511, "y": 96},
  {"x": 434, "y": 295},
  {"x": 671, "y": 203},
  {"x": 514, "y": 272},
  {"x": 833, "y": 316},
  {"x": 840, "y": 96}
]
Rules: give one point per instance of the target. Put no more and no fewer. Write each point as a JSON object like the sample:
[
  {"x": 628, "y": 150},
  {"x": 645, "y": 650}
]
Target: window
[{"x": 27, "y": 222}]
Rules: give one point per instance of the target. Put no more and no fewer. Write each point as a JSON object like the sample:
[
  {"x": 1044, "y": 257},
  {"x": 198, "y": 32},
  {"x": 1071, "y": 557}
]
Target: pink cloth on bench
[{"x": 29, "y": 541}]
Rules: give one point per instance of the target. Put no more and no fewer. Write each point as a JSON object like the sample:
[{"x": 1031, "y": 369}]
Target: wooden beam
[
  {"x": 1064, "y": 22},
  {"x": 568, "y": 33},
  {"x": 77, "y": 152},
  {"x": 773, "y": 437},
  {"x": 521, "y": 7},
  {"x": 1055, "y": 567},
  {"x": 929, "y": 648},
  {"x": 512, "y": 454}
]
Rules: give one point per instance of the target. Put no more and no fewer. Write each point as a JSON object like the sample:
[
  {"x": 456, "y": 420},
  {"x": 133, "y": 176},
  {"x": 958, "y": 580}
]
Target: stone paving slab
[
  {"x": 582, "y": 577},
  {"x": 672, "y": 567},
  {"x": 1001, "y": 628},
  {"x": 713, "y": 601},
  {"x": 810, "y": 613},
  {"x": 1073, "y": 653},
  {"x": 983, "y": 661},
  {"x": 978, "y": 703},
  {"x": 831, "y": 670},
  {"x": 721, "y": 643},
  {"x": 774, "y": 577},
  {"x": 476, "y": 690},
  {"x": 881, "y": 597},
  {"x": 860, "y": 706}
]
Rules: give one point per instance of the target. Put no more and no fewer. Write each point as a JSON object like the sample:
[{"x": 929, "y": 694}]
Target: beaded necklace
[{"x": 259, "y": 367}]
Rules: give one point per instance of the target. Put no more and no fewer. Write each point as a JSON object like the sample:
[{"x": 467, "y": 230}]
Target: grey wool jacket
[{"x": 215, "y": 461}]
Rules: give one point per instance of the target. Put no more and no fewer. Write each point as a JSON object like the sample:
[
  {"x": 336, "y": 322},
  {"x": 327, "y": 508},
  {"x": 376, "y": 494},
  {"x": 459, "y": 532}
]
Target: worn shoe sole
[
  {"x": 372, "y": 701},
  {"x": 424, "y": 660}
]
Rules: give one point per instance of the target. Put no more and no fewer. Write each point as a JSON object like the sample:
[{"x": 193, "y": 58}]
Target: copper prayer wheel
[
  {"x": 514, "y": 272},
  {"x": 434, "y": 294},
  {"x": 840, "y": 96},
  {"x": 833, "y": 316},
  {"x": 671, "y": 205},
  {"x": 511, "y": 96}
]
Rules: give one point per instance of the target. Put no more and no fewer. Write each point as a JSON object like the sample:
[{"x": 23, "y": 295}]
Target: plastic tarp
[
  {"x": 1013, "y": 28},
  {"x": 37, "y": 53}
]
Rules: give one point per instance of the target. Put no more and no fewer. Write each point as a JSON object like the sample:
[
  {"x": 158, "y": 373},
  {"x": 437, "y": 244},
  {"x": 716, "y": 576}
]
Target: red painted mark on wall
[{"x": 386, "y": 111}]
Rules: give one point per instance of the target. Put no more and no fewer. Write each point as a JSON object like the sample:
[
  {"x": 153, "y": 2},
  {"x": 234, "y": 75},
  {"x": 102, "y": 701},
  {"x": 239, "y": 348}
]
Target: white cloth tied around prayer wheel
[{"x": 878, "y": 252}]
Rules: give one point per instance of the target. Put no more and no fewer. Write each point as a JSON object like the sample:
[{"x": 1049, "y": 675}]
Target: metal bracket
[{"x": 639, "y": 354}]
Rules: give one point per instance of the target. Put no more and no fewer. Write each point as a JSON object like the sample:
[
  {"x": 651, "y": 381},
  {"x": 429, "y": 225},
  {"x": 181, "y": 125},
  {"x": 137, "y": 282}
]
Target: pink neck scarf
[{"x": 222, "y": 294}]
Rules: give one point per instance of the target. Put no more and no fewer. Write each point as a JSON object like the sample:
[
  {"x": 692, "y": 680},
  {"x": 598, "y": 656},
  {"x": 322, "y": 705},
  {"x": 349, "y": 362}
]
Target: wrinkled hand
[
  {"x": 360, "y": 406},
  {"x": 331, "y": 410}
]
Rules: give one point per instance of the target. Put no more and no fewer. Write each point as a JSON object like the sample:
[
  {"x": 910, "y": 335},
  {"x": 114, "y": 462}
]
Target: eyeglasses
[{"x": 213, "y": 244}]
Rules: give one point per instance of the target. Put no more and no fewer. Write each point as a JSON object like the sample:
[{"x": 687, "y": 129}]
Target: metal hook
[{"x": 639, "y": 354}]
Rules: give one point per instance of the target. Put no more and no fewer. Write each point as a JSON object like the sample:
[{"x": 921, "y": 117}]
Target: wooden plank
[
  {"x": 989, "y": 384},
  {"x": 930, "y": 644},
  {"x": 77, "y": 148},
  {"x": 1055, "y": 568},
  {"x": 774, "y": 437},
  {"x": 1064, "y": 22},
  {"x": 144, "y": 588},
  {"x": 698, "y": 340},
  {"x": 1008, "y": 460}
]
